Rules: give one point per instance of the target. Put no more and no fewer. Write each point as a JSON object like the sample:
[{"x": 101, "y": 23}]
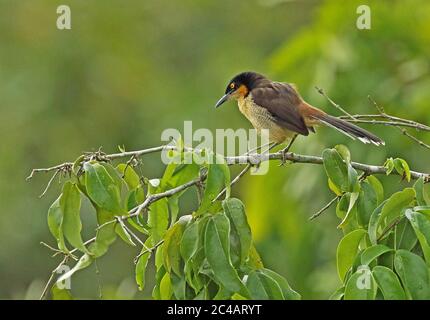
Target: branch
[
  {"x": 321, "y": 211},
  {"x": 253, "y": 159},
  {"x": 298, "y": 158},
  {"x": 65, "y": 167}
]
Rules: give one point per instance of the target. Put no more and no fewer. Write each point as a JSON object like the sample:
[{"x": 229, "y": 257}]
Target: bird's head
[{"x": 240, "y": 86}]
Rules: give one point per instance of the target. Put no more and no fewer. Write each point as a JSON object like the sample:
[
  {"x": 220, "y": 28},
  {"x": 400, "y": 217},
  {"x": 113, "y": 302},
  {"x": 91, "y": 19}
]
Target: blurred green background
[{"x": 129, "y": 69}]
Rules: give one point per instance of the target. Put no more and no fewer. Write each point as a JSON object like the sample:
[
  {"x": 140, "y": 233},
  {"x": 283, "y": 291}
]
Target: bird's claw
[{"x": 284, "y": 158}]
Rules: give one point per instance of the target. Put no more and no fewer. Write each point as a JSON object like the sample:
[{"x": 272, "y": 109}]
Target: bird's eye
[{"x": 232, "y": 85}]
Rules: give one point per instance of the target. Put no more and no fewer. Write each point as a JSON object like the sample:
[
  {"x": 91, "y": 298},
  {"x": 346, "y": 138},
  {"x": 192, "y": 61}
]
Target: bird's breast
[{"x": 261, "y": 118}]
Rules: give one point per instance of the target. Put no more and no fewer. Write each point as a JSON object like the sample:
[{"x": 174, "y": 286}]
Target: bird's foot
[
  {"x": 285, "y": 151},
  {"x": 283, "y": 158}
]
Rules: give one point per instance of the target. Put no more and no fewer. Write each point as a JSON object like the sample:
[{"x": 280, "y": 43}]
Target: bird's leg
[
  {"x": 257, "y": 148},
  {"x": 272, "y": 145},
  {"x": 285, "y": 150}
]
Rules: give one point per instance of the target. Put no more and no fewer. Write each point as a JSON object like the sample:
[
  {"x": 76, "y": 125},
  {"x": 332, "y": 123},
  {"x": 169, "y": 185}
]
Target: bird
[{"x": 279, "y": 108}]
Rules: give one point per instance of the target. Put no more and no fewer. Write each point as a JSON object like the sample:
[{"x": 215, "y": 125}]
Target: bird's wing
[{"x": 282, "y": 101}]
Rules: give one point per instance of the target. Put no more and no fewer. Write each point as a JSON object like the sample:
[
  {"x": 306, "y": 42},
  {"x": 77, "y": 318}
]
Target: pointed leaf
[
  {"x": 388, "y": 283},
  {"x": 373, "y": 252},
  {"x": 55, "y": 222},
  {"x": 336, "y": 169},
  {"x": 141, "y": 269},
  {"x": 414, "y": 274},
  {"x": 360, "y": 286},
  {"x": 70, "y": 203},
  {"x": 235, "y": 211},
  {"x": 102, "y": 188},
  {"x": 217, "y": 250},
  {"x": 347, "y": 250}
]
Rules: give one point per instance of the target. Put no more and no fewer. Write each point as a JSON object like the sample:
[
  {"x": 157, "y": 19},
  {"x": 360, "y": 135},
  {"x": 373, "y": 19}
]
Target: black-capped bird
[{"x": 278, "y": 107}]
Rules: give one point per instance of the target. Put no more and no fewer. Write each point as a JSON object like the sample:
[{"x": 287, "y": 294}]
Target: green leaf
[
  {"x": 134, "y": 198},
  {"x": 218, "y": 177},
  {"x": 181, "y": 170},
  {"x": 405, "y": 236},
  {"x": 352, "y": 197},
  {"x": 114, "y": 174},
  {"x": 413, "y": 273},
  {"x": 102, "y": 188},
  {"x": 373, "y": 223},
  {"x": 336, "y": 169},
  {"x": 389, "y": 165},
  {"x": 263, "y": 287},
  {"x": 60, "y": 294},
  {"x": 179, "y": 287},
  {"x": 217, "y": 250},
  {"x": 165, "y": 287},
  {"x": 391, "y": 210},
  {"x": 105, "y": 236},
  {"x": 353, "y": 183},
  {"x": 373, "y": 252},
  {"x": 158, "y": 219},
  {"x": 420, "y": 192},
  {"x": 338, "y": 294},
  {"x": 347, "y": 250},
  {"x": 190, "y": 241},
  {"x": 425, "y": 210},
  {"x": 288, "y": 292},
  {"x": 343, "y": 152},
  {"x": 172, "y": 242},
  {"x": 388, "y": 283},
  {"x": 158, "y": 214},
  {"x": 131, "y": 178},
  {"x": 366, "y": 203},
  {"x": 334, "y": 188},
  {"x": 377, "y": 186},
  {"x": 360, "y": 286},
  {"x": 159, "y": 275},
  {"x": 235, "y": 211},
  {"x": 254, "y": 260},
  {"x": 123, "y": 233},
  {"x": 84, "y": 262},
  {"x": 421, "y": 225},
  {"x": 173, "y": 204},
  {"x": 402, "y": 168},
  {"x": 395, "y": 205},
  {"x": 70, "y": 203},
  {"x": 141, "y": 269},
  {"x": 55, "y": 221}
]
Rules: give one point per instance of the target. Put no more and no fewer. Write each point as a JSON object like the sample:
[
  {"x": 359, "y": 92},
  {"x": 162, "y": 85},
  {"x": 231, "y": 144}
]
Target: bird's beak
[{"x": 223, "y": 99}]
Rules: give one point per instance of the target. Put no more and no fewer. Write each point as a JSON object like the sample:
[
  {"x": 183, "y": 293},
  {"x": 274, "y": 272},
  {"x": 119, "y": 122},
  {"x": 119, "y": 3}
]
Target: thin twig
[
  {"x": 334, "y": 104},
  {"x": 328, "y": 205},
  {"x": 391, "y": 226},
  {"x": 62, "y": 167},
  {"x": 131, "y": 233},
  {"x": 136, "y": 259},
  {"x": 402, "y": 130},
  {"x": 49, "y": 183},
  {"x": 417, "y": 126},
  {"x": 406, "y": 133},
  {"x": 234, "y": 181},
  {"x": 51, "y": 278}
]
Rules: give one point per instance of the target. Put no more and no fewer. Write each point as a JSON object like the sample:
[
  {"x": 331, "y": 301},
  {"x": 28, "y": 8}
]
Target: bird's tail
[{"x": 349, "y": 129}]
